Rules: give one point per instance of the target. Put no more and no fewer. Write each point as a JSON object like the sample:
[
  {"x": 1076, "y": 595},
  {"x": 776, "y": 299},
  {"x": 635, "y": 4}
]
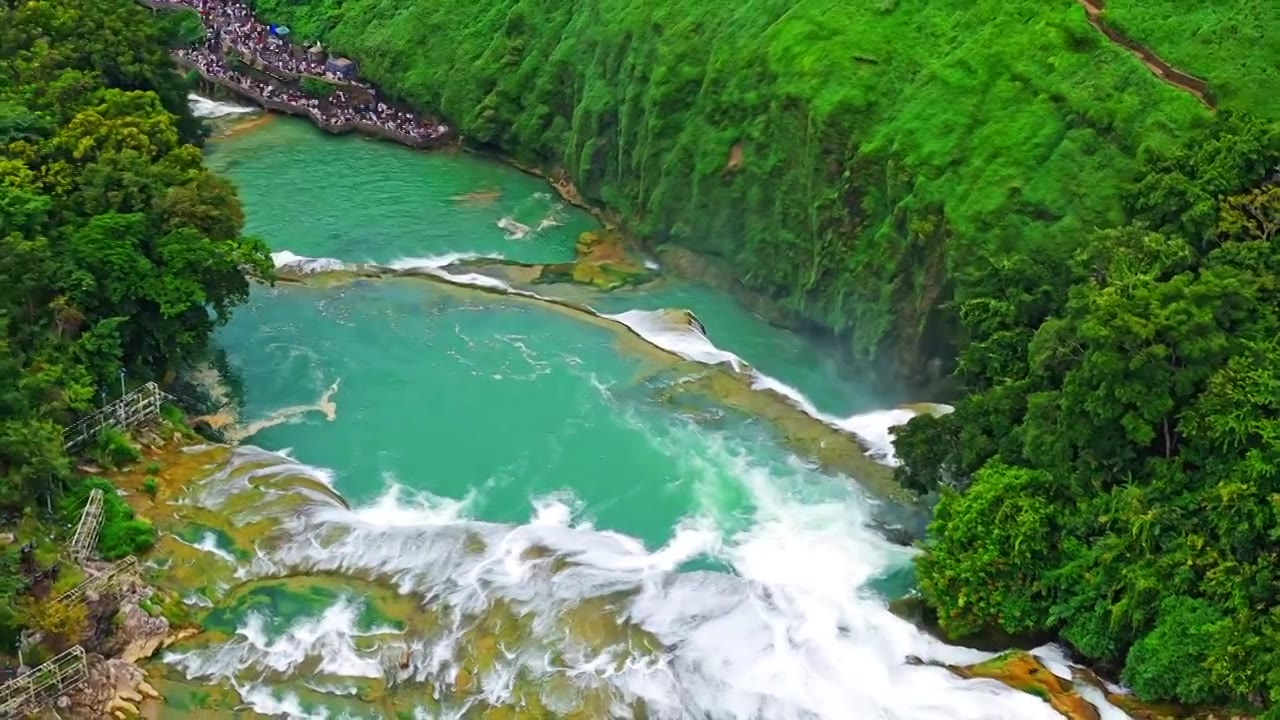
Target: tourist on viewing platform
[{"x": 230, "y": 25}]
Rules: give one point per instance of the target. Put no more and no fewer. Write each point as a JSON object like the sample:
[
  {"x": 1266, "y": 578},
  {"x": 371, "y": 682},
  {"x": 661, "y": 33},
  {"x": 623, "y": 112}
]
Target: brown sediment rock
[
  {"x": 735, "y": 158},
  {"x": 927, "y": 408},
  {"x": 179, "y": 636},
  {"x": 602, "y": 261},
  {"x": 1021, "y": 670},
  {"x": 113, "y": 688},
  {"x": 240, "y": 126},
  {"x": 564, "y": 187}
]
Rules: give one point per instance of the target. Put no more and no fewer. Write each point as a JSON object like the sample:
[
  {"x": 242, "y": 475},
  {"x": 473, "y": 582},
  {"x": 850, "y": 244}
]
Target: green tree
[
  {"x": 1131, "y": 409},
  {"x": 118, "y": 249}
]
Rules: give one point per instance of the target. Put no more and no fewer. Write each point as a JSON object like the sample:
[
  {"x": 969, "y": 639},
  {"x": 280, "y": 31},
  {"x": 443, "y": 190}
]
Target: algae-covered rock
[
  {"x": 680, "y": 317},
  {"x": 1021, "y": 670},
  {"x": 602, "y": 262}
]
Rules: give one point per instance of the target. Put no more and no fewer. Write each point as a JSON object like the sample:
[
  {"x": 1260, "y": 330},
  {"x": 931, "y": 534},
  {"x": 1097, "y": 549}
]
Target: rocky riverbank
[{"x": 116, "y": 686}]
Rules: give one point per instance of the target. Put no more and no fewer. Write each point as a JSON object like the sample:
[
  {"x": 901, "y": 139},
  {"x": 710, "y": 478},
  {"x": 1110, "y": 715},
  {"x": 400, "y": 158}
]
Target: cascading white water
[
  {"x": 794, "y": 632},
  {"x": 778, "y": 617},
  {"x": 874, "y": 429},
  {"x": 203, "y": 107}
]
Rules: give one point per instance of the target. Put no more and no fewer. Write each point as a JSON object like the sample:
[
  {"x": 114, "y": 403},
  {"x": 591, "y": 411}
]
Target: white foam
[
  {"x": 436, "y": 262},
  {"x": 285, "y": 260},
  {"x": 794, "y": 633},
  {"x": 683, "y": 340},
  {"x": 203, "y": 107},
  {"x": 514, "y": 230},
  {"x": 327, "y": 641},
  {"x": 209, "y": 543},
  {"x": 1055, "y": 659},
  {"x": 874, "y": 428}
]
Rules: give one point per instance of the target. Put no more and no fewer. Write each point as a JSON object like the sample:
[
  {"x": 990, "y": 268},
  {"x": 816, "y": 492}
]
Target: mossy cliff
[{"x": 856, "y": 161}]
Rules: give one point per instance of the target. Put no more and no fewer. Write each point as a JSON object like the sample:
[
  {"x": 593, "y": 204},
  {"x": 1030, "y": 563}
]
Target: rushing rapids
[{"x": 504, "y": 505}]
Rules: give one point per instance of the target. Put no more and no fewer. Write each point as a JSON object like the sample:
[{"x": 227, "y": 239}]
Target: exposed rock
[
  {"x": 1021, "y": 670},
  {"x": 735, "y": 158},
  {"x": 7, "y": 539},
  {"x": 683, "y": 318},
  {"x": 896, "y": 534},
  {"x": 928, "y": 408},
  {"x": 134, "y": 633},
  {"x": 179, "y": 636},
  {"x": 112, "y": 688},
  {"x": 602, "y": 262}
]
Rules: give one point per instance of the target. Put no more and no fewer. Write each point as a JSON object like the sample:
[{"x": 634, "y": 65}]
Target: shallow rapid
[{"x": 458, "y": 502}]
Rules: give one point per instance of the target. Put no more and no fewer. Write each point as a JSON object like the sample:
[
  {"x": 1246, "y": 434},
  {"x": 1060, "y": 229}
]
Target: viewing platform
[{"x": 256, "y": 62}]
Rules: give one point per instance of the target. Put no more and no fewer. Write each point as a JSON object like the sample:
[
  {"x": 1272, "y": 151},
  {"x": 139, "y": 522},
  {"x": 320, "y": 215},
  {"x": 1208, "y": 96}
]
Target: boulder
[
  {"x": 1021, "y": 670},
  {"x": 110, "y": 687},
  {"x": 683, "y": 318},
  {"x": 602, "y": 262}
]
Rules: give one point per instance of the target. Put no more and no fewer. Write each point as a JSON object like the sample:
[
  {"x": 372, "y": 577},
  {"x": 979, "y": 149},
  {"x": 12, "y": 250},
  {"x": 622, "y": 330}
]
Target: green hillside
[
  {"x": 885, "y": 146},
  {"x": 1235, "y": 45}
]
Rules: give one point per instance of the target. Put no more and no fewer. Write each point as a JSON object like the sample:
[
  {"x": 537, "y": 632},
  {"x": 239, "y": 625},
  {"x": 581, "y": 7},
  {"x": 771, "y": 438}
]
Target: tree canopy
[
  {"x": 118, "y": 249},
  {"x": 1114, "y": 475}
]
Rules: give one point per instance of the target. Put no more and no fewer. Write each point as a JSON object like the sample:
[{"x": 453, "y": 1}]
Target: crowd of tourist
[{"x": 231, "y": 26}]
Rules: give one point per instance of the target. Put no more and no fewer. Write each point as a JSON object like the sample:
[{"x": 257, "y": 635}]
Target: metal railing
[
  {"x": 141, "y": 405},
  {"x": 86, "y": 537},
  {"x": 32, "y": 689},
  {"x": 101, "y": 581}
]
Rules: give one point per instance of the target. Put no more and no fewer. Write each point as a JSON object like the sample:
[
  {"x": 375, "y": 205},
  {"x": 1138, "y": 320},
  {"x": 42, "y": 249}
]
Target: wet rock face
[
  {"x": 112, "y": 689},
  {"x": 125, "y": 629},
  {"x": 1021, "y": 670},
  {"x": 602, "y": 261},
  {"x": 683, "y": 318}
]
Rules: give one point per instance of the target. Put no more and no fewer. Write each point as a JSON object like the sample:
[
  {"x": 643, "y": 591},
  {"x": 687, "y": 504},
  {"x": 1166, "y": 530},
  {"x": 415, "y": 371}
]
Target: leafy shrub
[
  {"x": 122, "y": 533},
  {"x": 113, "y": 449},
  {"x": 174, "y": 416},
  {"x": 153, "y": 468},
  {"x": 1145, "y": 391},
  {"x": 1170, "y": 660},
  {"x": 61, "y": 622},
  {"x": 985, "y": 543},
  {"x": 126, "y": 537},
  {"x": 10, "y": 583},
  {"x": 181, "y": 28},
  {"x": 150, "y": 487}
]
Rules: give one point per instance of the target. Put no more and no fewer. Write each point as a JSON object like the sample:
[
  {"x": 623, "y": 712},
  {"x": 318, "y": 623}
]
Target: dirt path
[{"x": 1161, "y": 69}]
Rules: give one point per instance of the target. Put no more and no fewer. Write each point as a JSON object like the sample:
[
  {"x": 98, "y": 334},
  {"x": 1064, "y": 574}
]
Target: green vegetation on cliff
[
  {"x": 1234, "y": 46},
  {"x": 119, "y": 251},
  {"x": 861, "y": 161},
  {"x": 1114, "y": 477}
]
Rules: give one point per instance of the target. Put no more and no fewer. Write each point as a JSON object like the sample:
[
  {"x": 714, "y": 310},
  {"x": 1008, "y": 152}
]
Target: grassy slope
[
  {"x": 1234, "y": 46},
  {"x": 883, "y": 140}
]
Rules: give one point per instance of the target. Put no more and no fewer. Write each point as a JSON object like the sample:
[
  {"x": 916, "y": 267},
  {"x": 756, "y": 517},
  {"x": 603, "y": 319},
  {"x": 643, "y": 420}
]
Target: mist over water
[{"x": 501, "y": 507}]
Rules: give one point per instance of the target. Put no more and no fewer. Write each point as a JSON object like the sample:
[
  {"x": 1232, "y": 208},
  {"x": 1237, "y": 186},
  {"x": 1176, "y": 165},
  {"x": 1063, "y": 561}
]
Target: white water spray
[{"x": 203, "y": 107}]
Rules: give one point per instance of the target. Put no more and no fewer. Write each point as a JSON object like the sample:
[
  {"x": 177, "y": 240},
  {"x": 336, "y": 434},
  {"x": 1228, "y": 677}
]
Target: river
[{"x": 449, "y": 503}]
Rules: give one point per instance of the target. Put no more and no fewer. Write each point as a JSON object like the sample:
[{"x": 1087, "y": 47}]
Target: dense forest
[
  {"x": 119, "y": 251},
  {"x": 858, "y": 161},
  {"x": 1113, "y": 476},
  {"x": 991, "y": 181},
  {"x": 994, "y": 181}
]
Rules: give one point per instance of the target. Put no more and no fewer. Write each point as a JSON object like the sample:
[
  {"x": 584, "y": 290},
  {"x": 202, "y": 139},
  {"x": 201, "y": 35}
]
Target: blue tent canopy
[{"x": 278, "y": 30}]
